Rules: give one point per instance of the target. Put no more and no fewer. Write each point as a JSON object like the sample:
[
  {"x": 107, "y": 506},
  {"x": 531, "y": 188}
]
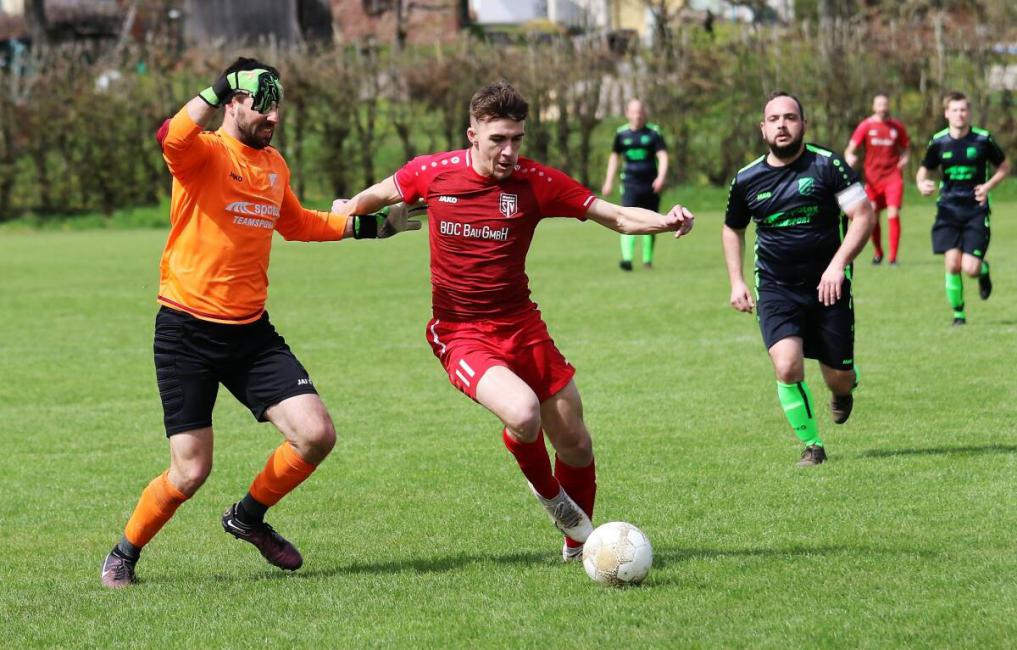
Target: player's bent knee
[
  {"x": 318, "y": 439},
  {"x": 190, "y": 475},
  {"x": 522, "y": 419}
]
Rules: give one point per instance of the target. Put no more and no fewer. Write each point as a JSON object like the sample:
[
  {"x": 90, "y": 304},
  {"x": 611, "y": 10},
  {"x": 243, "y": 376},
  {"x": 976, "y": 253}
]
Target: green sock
[
  {"x": 985, "y": 268},
  {"x": 648, "y": 241},
  {"x": 797, "y": 403},
  {"x": 628, "y": 247},
  {"x": 955, "y": 294}
]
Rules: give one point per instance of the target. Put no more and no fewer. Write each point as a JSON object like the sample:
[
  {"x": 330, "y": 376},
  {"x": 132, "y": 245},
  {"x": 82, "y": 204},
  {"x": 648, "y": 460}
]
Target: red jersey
[
  {"x": 481, "y": 229},
  {"x": 884, "y": 141}
]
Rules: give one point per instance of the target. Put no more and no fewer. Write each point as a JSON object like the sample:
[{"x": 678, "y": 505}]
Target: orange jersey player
[{"x": 230, "y": 194}]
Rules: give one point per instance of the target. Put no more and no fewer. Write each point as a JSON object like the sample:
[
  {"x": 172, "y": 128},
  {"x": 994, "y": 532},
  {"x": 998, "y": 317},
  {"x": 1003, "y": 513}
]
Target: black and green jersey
[
  {"x": 964, "y": 162},
  {"x": 638, "y": 150},
  {"x": 799, "y": 222}
]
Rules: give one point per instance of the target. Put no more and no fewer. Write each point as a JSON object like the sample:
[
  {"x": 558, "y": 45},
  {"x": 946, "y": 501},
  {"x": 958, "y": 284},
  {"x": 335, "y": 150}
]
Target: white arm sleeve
[{"x": 850, "y": 197}]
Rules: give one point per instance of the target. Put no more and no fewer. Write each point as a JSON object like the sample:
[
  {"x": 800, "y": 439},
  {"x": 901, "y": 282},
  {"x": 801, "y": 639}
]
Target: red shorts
[
  {"x": 520, "y": 343},
  {"x": 886, "y": 192}
]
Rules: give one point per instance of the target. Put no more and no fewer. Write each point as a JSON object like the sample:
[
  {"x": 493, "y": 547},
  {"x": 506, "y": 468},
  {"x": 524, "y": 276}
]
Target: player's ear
[{"x": 471, "y": 135}]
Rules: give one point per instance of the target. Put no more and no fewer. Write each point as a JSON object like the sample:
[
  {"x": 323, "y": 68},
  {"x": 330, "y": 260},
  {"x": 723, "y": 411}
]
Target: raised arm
[{"x": 639, "y": 221}]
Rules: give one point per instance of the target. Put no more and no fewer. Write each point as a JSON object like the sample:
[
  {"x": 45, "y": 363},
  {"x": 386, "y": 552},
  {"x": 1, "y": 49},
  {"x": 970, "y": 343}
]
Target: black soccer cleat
[
  {"x": 272, "y": 546},
  {"x": 117, "y": 570},
  {"x": 985, "y": 283},
  {"x": 812, "y": 456},
  {"x": 625, "y": 265},
  {"x": 958, "y": 321},
  {"x": 877, "y": 260},
  {"x": 840, "y": 407}
]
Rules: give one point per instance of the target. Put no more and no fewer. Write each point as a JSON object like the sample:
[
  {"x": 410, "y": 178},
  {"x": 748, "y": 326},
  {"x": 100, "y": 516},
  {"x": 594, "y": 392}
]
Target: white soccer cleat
[
  {"x": 569, "y": 553},
  {"x": 567, "y": 516}
]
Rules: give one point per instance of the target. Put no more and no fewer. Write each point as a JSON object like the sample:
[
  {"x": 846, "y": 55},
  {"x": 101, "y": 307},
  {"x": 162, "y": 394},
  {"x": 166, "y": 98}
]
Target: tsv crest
[{"x": 508, "y": 204}]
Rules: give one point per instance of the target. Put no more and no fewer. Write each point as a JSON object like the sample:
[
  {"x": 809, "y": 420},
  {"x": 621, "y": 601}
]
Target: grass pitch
[{"x": 420, "y": 532}]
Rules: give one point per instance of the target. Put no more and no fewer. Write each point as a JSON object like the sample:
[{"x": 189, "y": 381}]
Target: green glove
[
  {"x": 261, "y": 84},
  {"x": 388, "y": 221}
]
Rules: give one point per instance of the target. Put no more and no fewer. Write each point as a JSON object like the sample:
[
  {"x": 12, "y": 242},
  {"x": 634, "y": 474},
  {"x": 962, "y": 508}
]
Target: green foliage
[{"x": 419, "y": 532}]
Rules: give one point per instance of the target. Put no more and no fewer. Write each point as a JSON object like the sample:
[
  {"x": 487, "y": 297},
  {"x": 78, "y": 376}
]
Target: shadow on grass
[{"x": 940, "y": 451}]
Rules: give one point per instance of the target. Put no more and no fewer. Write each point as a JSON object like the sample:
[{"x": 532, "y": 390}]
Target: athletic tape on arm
[{"x": 851, "y": 196}]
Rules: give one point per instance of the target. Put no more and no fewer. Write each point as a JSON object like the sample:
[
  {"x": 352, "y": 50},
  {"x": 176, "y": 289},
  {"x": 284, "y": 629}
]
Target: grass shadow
[{"x": 940, "y": 451}]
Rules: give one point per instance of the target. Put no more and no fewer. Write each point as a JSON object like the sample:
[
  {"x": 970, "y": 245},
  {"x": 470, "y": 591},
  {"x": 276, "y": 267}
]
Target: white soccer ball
[{"x": 617, "y": 554}]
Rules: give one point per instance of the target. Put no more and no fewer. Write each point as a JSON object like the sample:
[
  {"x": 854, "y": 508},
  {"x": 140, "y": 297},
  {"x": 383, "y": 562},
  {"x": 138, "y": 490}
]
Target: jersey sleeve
[
  {"x": 184, "y": 148},
  {"x": 297, "y": 223},
  {"x": 414, "y": 178},
  {"x": 616, "y": 146},
  {"x": 995, "y": 155},
  {"x": 931, "y": 159},
  {"x": 843, "y": 175},
  {"x": 559, "y": 195},
  {"x": 658, "y": 143},
  {"x": 858, "y": 137},
  {"x": 904, "y": 141},
  {"x": 737, "y": 215}
]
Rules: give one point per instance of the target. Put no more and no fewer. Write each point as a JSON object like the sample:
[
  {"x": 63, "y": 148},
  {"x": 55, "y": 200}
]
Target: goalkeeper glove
[
  {"x": 388, "y": 221},
  {"x": 263, "y": 85}
]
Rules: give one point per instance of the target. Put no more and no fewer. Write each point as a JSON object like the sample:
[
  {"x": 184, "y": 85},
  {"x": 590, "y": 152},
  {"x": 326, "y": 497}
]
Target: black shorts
[
  {"x": 970, "y": 234},
  {"x": 192, "y": 357},
  {"x": 828, "y": 333},
  {"x": 640, "y": 197}
]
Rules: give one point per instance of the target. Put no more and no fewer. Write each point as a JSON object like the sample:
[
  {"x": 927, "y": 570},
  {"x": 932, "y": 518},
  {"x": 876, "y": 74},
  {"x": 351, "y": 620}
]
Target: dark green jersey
[
  {"x": 965, "y": 165},
  {"x": 638, "y": 150},
  {"x": 797, "y": 210}
]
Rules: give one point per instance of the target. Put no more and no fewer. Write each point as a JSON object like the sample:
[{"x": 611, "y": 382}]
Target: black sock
[
  {"x": 251, "y": 512},
  {"x": 127, "y": 550}
]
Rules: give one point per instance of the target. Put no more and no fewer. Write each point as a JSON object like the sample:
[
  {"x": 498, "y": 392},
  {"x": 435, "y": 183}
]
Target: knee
[
  {"x": 190, "y": 474},
  {"x": 788, "y": 371},
  {"x": 523, "y": 419},
  {"x": 973, "y": 267},
  {"x": 575, "y": 447},
  {"x": 317, "y": 439}
]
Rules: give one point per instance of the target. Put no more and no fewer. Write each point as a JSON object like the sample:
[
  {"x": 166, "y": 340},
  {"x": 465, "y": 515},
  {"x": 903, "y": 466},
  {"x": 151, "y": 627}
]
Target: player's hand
[
  {"x": 830, "y": 284},
  {"x": 400, "y": 218},
  {"x": 658, "y": 185},
  {"x": 741, "y": 298},
  {"x": 261, "y": 84},
  {"x": 680, "y": 219},
  {"x": 337, "y": 206},
  {"x": 606, "y": 190},
  {"x": 981, "y": 194},
  {"x": 927, "y": 187}
]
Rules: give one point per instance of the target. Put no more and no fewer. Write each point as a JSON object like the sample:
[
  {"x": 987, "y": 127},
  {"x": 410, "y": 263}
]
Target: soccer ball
[{"x": 617, "y": 554}]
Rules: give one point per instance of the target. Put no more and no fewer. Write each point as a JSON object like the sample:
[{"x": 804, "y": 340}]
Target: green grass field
[{"x": 420, "y": 532}]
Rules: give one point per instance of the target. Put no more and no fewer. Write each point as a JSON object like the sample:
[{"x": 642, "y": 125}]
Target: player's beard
[
  {"x": 256, "y": 134},
  {"x": 789, "y": 150}
]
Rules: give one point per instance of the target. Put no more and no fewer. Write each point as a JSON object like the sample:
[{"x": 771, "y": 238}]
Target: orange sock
[
  {"x": 157, "y": 504},
  {"x": 284, "y": 471}
]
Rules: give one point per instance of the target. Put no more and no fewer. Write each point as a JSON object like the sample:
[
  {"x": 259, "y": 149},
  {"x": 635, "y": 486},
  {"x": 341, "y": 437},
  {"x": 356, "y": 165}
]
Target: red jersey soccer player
[
  {"x": 484, "y": 204},
  {"x": 886, "y": 153}
]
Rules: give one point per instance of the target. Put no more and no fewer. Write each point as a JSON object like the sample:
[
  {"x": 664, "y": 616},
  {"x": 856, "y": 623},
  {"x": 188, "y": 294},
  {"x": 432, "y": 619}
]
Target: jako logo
[
  {"x": 237, "y": 177},
  {"x": 448, "y": 199},
  {"x": 253, "y": 209}
]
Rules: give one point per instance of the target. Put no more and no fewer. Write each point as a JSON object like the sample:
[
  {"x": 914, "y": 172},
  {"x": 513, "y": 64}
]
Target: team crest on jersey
[
  {"x": 508, "y": 204},
  {"x": 805, "y": 186},
  {"x": 893, "y": 134},
  {"x": 972, "y": 152}
]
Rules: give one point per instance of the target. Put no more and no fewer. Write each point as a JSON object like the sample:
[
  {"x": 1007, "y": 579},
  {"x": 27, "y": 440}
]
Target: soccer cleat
[
  {"x": 985, "y": 283},
  {"x": 648, "y": 266},
  {"x": 877, "y": 260},
  {"x": 840, "y": 407},
  {"x": 812, "y": 456},
  {"x": 569, "y": 553},
  {"x": 958, "y": 321},
  {"x": 894, "y": 263},
  {"x": 117, "y": 571},
  {"x": 272, "y": 546},
  {"x": 625, "y": 265},
  {"x": 567, "y": 516}
]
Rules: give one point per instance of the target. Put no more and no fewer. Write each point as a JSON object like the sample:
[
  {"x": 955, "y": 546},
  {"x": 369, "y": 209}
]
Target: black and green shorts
[
  {"x": 827, "y": 333},
  {"x": 968, "y": 231}
]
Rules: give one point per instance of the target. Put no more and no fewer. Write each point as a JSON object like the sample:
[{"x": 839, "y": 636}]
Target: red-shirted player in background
[
  {"x": 886, "y": 153},
  {"x": 483, "y": 206}
]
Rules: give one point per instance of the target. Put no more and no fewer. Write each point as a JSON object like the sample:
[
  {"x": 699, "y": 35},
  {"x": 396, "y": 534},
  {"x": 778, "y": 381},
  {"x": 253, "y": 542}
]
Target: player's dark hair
[
  {"x": 954, "y": 96},
  {"x": 245, "y": 63},
  {"x": 498, "y": 101},
  {"x": 780, "y": 93}
]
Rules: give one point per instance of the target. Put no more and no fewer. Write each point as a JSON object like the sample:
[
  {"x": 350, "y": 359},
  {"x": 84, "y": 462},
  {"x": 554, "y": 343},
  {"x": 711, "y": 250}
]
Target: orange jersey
[{"x": 228, "y": 200}]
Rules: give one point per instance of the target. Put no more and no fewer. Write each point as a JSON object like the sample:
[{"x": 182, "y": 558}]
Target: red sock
[
  {"x": 877, "y": 239},
  {"x": 580, "y": 483},
  {"x": 894, "y": 237},
  {"x": 533, "y": 460}
]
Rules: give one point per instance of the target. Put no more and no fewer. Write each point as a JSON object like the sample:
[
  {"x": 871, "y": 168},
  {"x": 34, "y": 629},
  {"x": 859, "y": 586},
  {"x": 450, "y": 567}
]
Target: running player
[
  {"x": 484, "y": 204},
  {"x": 643, "y": 174},
  {"x": 885, "y": 141},
  {"x": 961, "y": 230},
  {"x": 230, "y": 194},
  {"x": 801, "y": 198}
]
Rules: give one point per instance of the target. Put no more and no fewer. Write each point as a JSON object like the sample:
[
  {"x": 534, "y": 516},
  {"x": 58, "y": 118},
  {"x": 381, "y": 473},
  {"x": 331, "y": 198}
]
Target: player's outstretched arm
[
  {"x": 733, "y": 242},
  {"x": 371, "y": 200},
  {"x": 639, "y": 221},
  {"x": 856, "y": 206},
  {"x": 926, "y": 185},
  {"x": 378, "y": 212}
]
